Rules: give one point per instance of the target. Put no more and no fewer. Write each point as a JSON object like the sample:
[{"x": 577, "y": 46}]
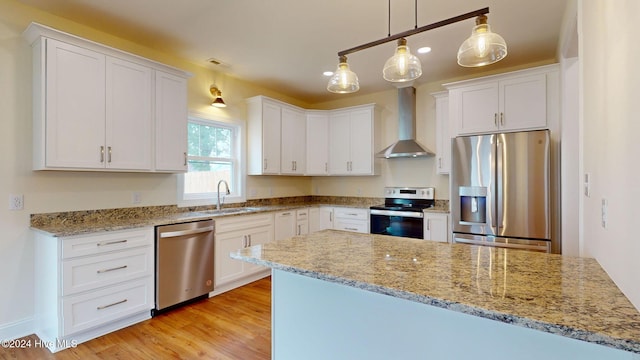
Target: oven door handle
[{"x": 409, "y": 214}]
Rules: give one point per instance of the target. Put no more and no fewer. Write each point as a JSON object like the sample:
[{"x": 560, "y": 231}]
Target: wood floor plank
[{"x": 230, "y": 326}]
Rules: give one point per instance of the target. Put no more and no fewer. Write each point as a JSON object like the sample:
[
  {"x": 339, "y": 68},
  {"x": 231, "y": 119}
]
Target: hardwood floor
[{"x": 233, "y": 325}]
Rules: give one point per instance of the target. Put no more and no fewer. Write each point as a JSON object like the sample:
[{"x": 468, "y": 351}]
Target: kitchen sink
[{"x": 230, "y": 211}]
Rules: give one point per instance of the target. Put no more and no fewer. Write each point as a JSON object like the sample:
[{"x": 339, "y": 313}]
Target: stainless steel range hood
[{"x": 406, "y": 146}]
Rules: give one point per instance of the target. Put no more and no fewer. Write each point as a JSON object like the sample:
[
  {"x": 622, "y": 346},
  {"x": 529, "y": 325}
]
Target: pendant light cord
[
  {"x": 415, "y": 11},
  {"x": 389, "y": 22}
]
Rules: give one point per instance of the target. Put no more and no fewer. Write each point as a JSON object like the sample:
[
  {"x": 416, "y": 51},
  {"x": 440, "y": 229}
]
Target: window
[{"x": 213, "y": 155}]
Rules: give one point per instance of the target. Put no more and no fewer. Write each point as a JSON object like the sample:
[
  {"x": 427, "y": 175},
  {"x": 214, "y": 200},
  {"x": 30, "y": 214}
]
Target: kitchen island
[{"x": 343, "y": 295}]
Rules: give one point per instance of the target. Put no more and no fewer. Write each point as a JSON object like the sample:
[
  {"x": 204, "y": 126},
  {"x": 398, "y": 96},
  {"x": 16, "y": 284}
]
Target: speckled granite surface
[
  {"x": 91, "y": 221},
  {"x": 567, "y": 296}
]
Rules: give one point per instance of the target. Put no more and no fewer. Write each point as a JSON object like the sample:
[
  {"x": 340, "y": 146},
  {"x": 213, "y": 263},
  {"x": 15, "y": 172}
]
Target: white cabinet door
[
  {"x": 264, "y": 136},
  {"x": 317, "y": 143},
  {"x": 257, "y": 236},
  {"x": 443, "y": 137},
  {"x": 285, "y": 224},
  {"x": 171, "y": 122},
  {"x": 326, "y": 218},
  {"x": 339, "y": 143},
  {"x": 74, "y": 107},
  {"x": 523, "y": 103},
  {"x": 128, "y": 115},
  {"x": 314, "y": 219},
  {"x": 436, "y": 227},
  {"x": 361, "y": 138},
  {"x": 477, "y": 108},
  {"x": 271, "y": 137},
  {"x": 226, "y": 268},
  {"x": 293, "y": 141}
]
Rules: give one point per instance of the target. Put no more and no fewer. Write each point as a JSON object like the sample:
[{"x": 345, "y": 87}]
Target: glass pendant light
[
  {"x": 402, "y": 66},
  {"x": 344, "y": 80},
  {"x": 483, "y": 47}
]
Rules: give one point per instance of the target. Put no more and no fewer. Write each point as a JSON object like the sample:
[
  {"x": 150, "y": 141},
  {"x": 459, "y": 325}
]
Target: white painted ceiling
[{"x": 285, "y": 45}]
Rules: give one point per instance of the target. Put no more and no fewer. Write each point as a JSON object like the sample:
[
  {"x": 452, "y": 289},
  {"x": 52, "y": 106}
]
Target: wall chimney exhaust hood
[{"x": 406, "y": 146}]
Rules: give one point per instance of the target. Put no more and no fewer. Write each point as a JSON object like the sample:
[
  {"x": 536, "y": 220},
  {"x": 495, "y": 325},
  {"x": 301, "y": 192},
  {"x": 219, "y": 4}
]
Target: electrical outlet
[
  {"x": 587, "y": 184},
  {"x": 136, "y": 197},
  {"x": 16, "y": 202}
]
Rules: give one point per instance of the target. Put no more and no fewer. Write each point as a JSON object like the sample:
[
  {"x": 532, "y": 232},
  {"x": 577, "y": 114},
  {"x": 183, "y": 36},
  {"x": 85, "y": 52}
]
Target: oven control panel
[{"x": 409, "y": 192}]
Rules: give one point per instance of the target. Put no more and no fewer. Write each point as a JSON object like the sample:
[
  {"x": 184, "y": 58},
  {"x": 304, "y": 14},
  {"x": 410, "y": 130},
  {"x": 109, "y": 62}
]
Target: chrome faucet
[{"x": 228, "y": 192}]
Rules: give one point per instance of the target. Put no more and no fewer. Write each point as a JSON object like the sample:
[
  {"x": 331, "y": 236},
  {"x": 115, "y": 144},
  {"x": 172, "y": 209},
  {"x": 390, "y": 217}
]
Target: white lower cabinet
[
  {"x": 436, "y": 227},
  {"x": 351, "y": 219},
  {"x": 284, "y": 224},
  {"x": 234, "y": 233},
  {"x": 89, "y": 285},
  {"x": 325, "y": 220},
  {"x": 302, "y": 221}
]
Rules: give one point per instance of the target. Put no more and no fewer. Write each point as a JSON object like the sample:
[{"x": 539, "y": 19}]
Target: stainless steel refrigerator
[{"x": 500, "y": 190}]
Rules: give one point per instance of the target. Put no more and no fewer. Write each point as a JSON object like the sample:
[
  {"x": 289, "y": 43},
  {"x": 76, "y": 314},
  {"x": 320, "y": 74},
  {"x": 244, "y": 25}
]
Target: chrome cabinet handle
[
  {"x": 112, "y": 269},
  {"x": 299, "y": 229},
  {"x": 101, "y": 154},
  {"x": 429, "y": 224},
  {"x": 352, "y": 229},
  {"x": 495, "y": 119},
  {"x": 326, "y": 167},
  {"x": 249, "y": 239},
  {"x": 502, "y": 118},
  {"x": 110, "y": 305},
  {"x": 105, "y": 243},
  {"x": 109, "y": 154},
  {"x": 185, "y": 159},
  {"x": 244, "y": 241}
]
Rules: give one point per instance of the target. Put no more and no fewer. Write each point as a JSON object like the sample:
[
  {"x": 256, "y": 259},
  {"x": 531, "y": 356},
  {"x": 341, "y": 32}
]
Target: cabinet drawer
[
  {"x": 92, "y": 272},
  {"x": 302, "y": 214},
  {"x": 351, "y": 213},
  {"x": 235, "y": 223},
  {"x": 105, "y": 242},
  {"x": 355, "y": 226},
  {"x": 88, "y": 310}
]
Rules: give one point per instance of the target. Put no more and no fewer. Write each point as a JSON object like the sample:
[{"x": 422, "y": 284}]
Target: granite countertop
[
  {"x": 91, "y": 221},
  {"x": 125, "y": 219},
  {"x": 567, "y": 296}
]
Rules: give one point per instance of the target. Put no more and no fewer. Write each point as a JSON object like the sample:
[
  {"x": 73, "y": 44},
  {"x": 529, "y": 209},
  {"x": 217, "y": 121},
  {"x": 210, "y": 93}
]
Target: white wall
[{"x": 611, "y": 89}]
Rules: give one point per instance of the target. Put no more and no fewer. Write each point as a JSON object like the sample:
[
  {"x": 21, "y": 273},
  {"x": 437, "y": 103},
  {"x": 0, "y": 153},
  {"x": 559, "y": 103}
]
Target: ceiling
[{"x": 285, "y": 45}]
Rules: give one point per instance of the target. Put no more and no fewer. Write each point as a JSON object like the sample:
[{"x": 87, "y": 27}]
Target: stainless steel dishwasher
[{"x": 184, "y": 263}]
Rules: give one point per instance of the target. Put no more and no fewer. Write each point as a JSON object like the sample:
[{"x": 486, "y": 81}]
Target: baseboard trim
[{"x": 17, "y": 329}]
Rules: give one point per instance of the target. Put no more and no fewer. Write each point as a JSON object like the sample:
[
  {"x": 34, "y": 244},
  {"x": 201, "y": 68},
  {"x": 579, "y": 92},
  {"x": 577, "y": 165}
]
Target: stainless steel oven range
[{"x": 402, "y": 213}]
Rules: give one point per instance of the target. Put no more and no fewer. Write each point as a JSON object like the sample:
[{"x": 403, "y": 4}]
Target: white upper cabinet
[
  {"x": 293, "y": 141},
  {"x": 352, "y": 141},
  {"x": 96, "y": 108},
  {"x": 443, "y": 134},
  {"x": 317, "y": 143},
  {"x": 128, "y": 115},
  {"x": 521, "y": 100},
  {"x": 171, "y": 122},
  {"x": 287, "y": 140},
  {"x": 73, "y": 80},
  {"x": 264, "y": 123}
]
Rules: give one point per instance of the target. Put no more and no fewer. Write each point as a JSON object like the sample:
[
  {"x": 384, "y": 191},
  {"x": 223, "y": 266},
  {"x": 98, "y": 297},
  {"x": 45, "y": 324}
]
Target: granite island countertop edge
[{"x": 556, "y": 329}]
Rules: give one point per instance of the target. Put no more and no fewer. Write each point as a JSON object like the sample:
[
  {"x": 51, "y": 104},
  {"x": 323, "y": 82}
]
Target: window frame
[{"x": 237, "y": 185}]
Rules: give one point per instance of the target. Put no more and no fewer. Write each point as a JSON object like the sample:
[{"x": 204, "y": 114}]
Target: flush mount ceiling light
[
  {"x": 217, "y": 94},
  {"x": 404, "y": 67}
]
